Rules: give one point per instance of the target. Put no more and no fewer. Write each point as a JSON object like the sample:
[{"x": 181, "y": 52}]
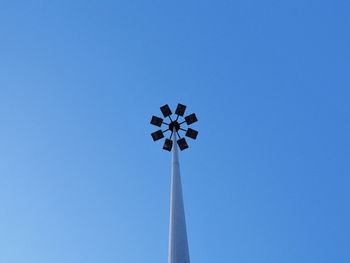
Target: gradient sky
[{"x": 268, "y": 179}]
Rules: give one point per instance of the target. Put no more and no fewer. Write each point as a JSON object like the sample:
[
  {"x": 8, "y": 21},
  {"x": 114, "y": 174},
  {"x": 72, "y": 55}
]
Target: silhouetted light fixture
[
  {"x": 166, "y": 110},
  {"x": 157, "y": 135},
  {"x": 180, "y": 109},
  {"x": 182, "y": 144},
  {"x": 156, "y": 121},
  {"x": 191, "y": 133},
  {"x": 168, "y": 144},
  {"x": 191, "y": 119},
  {"x": 174, "y": 125}
]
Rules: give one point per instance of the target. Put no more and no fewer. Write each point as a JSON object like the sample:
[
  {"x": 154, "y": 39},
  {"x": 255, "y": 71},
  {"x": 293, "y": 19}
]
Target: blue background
[{"x": 266, "y": 181}]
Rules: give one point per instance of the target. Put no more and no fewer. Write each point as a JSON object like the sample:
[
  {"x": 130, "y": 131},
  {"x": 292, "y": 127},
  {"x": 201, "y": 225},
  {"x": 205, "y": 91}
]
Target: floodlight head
[
  {"x": 157, "y": 135},
  {"x": 180, "y": 110},
  {"x": 156, "y": 121},
  {"x": 191, "y": 119},
  {"x": 191, "y": 133},
  {"x": 166, "y": 110},
  {"x": 168, "y": 145},
  {"x": 182, "y": 144},
  {"x": 174, "y": 126}
]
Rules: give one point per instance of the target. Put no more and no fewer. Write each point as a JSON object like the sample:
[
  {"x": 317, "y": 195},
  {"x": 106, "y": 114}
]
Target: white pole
[{"x": 178, "y": 245}]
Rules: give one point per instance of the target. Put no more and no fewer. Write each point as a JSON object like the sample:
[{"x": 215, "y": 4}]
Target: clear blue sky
[{"x": 268, "y": 179}]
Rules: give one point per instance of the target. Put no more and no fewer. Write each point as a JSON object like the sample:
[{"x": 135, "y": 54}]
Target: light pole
[{"x": 178, "y": 251}]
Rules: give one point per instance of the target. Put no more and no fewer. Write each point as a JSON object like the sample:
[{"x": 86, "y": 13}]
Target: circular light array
[{"x": 174, "y": 125}]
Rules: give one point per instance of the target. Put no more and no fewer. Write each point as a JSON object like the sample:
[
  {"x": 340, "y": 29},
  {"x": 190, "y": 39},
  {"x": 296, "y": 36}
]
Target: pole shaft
[{"x": 178, "y": 244}]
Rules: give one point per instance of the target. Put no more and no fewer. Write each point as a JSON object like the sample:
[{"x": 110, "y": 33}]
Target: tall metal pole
[{"x": 178, "y": 244}]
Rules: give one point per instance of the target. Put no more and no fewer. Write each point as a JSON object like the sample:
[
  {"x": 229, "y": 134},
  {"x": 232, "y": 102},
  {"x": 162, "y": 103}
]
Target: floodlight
[
  {"x": 182, "y": 144},
  {"x": 166, "y": 110},
  {"x": 157, "y": 135},
  {"x": 157, "y": 121},
  {"x": 174, "y": 125},
  {"x": 168, "y": 144},
  {"x": 191, "y": 119},
  {"x": 191, "y": 133},
  {"x": 180, "y": 110}
]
